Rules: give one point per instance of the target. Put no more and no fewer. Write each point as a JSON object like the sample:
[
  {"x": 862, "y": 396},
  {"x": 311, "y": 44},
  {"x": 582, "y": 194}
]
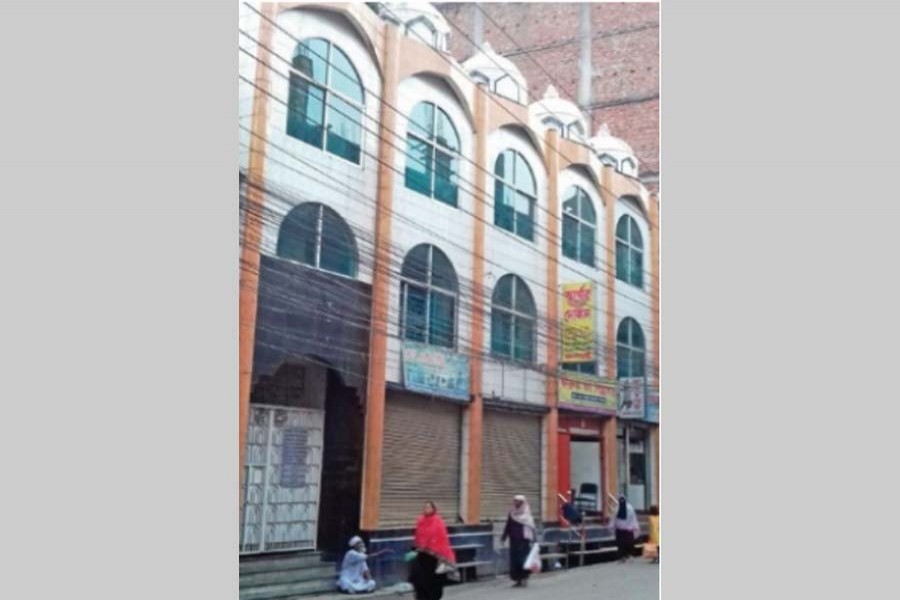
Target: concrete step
[
  {"x": 321, "y": 572},
  {"x": 289, "y": 590},
  {"x": 264, "y": 563}
]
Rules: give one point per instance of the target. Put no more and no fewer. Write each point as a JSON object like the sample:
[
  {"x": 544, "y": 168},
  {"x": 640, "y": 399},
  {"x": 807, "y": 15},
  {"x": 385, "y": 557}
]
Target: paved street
[{"x": 636, "y": 580}]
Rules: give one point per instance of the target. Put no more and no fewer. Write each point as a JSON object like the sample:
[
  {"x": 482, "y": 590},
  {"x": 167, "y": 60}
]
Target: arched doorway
[{"x": 304, "y": 460}]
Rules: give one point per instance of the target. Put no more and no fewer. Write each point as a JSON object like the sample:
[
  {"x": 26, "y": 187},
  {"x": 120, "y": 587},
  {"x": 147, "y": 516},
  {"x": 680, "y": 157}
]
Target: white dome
[
  {"x": 607, "y": 146},
  {"x": 552, "y": 110},
  {"x": 420, "y": 20},
  {"x": 502, "y": 75}
]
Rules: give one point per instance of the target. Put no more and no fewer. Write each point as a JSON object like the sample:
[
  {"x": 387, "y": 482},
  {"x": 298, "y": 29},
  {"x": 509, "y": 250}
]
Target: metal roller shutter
[
  {"x": 511, "y": 462},
  {"x": 421, "y": 459}
]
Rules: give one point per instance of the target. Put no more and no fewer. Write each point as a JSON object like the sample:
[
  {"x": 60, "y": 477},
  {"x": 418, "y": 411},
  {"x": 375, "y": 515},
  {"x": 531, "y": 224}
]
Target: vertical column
[
  {"x": 610, "y": 460},
  {"x": 610, "y": 447},
  {"x": 584, "y": 59},
  {"x": 477, "y": 25},
  {"x": 552, "y": 389},
  {"x": 250, "y": 261},
  {"x": 476, "y": 409},
  {"x": 654, "y": 443},
  {"x": 375, "y": 390},
  {"x": 609, "y": 200},
  {"x": 654, "y": 285},
  {"x": 654, "y": 291}
]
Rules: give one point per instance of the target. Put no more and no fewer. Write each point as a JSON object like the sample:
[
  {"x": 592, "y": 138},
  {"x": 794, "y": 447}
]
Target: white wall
[
  {"x": 249, "y": 23},
  {"x": 573, "y": 271},
  {"x": 348, "y": 188},
  {"x": 420, "y": 219},
  {"x": 631, "y": 301},
  {"x": 509, "y": 253}
]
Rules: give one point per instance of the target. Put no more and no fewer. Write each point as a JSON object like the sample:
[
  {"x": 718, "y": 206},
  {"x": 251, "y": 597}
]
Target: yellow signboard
[
  {"x": 578, "y": 322},
  {"x": 586, "y": 393}
]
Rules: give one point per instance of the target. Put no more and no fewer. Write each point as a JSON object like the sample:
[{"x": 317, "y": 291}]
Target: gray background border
[{"x": 119, "y": 265}]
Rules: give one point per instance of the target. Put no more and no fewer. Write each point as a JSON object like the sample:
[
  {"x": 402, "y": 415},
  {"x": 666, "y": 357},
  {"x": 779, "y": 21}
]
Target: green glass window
[
  {"x": 428, "y": 296},
  {"x": 629, "y": 252},
  {"x": 513, "y": 320},
  {"x": 432, "y": 150},
  {"x": 315, "y": 235},
  {"x": 325, "y": 99},
  {"x": 579, "y": 226},
  {"x": 630, "y": 349},
  {"x": 515, "y": 194},
  {"x": 588, "y": 368}
]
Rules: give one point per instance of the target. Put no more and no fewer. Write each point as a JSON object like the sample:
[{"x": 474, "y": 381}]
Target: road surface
[{"x": 634, "y": 580}]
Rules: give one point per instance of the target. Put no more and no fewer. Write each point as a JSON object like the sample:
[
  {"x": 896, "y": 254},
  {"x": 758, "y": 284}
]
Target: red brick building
[{"x": 613, "y": 75}]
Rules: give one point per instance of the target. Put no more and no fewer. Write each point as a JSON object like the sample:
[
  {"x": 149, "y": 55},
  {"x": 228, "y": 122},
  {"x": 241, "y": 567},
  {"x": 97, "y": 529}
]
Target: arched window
[
  {"x": 480, "y": 78},
  {"x": 515, "y": 193},
  {"x": 629, "y": 252},
  {"x": 507, "y": 87},
  {"x": 432, "y": 148},
  {"x": 422, "y": 30},
  {"x": 576, "y": 131},
  {"x": 555, "y": 124},
  {"x": 428, "y": 292},
  {"x": 513, "y": 318},
  {"x": 325, "y": 100},
  {"x": 315, "y": 235},
  {"x": 630, "y": 353},
  {"x": 579, "y": 226},
  {"x": 609, "y": 160}
]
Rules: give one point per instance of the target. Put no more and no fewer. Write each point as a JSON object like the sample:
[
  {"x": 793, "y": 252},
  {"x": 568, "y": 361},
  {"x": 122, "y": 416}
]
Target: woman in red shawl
[{"x": 434, "y": 554}]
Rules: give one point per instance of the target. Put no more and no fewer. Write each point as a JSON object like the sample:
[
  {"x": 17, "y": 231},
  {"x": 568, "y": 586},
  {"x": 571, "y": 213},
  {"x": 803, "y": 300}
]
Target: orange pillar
[
  {"x": 375, "y": 391},
  {"x": 654, "y": 285},
  {"x": 552, "y": 390},
  {"x": 609, "y": 200},
  {"x": 610, "y": 447},
  {"x": 476, "y": 409},
  {"x": 610, "y": 460},
  {"x": 654, "y": 290},
  {"x": 249, "y": 265}
]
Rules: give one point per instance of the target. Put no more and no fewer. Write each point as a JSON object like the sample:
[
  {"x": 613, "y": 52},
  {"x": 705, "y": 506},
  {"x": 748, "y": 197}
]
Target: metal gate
[{"x": 282, "y": 477}]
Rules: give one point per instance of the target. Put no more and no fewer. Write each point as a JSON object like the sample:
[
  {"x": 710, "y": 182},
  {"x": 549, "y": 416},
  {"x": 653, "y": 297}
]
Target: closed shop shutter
[
  {"x": 511, "y": 462},
  {"x": 421, "y": 459}
]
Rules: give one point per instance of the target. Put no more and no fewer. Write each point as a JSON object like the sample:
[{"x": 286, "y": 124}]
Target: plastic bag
[{"x": 533, "y": 562}]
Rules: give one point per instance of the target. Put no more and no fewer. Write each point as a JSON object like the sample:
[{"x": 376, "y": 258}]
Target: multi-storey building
[{"x": 444, "y": 290}]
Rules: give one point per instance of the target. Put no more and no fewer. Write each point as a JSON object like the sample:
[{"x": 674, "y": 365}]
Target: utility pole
[{"x": 584, "y": 59}]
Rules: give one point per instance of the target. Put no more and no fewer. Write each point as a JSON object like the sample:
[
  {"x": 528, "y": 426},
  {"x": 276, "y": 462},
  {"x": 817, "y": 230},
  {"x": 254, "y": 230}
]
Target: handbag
[
  {"x": 443, "y": 568},
  {"x": 533, "y": 562}
]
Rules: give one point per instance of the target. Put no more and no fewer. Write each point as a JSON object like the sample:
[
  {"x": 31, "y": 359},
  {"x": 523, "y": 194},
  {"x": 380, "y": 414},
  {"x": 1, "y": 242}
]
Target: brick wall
[{"x": 624, "y": 56}]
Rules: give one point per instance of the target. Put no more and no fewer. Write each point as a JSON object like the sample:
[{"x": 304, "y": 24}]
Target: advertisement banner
[
  {"x": 652, "y": 406},
  {"x": 631, "y": 398},
  {"x": 578, "y": 322},
  {"x": 586, "y": 393},
  {"x": 435, "y": 371}
]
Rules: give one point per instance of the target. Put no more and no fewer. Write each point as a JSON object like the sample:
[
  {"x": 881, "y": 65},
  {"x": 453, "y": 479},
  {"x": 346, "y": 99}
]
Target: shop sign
[
  {"x": 652, "y": 406},
  {"x": 578, "y": 322},
  {"x": 586, "y": 393},
  {"x": 294, "y": 451},
  {"x": 631, "y": 398},
  {"x": 435, "y": 371}
]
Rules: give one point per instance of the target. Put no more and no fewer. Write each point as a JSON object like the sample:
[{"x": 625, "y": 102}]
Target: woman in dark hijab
[{"x": 627, "y": 529}]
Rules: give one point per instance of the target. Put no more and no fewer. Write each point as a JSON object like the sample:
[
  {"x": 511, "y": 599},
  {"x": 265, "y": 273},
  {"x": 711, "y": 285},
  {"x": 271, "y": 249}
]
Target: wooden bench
[{"x": 464, "y": 568}]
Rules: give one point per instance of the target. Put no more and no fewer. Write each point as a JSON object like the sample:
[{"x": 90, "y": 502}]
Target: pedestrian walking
[
  {"x": 434, "y": 557},
  {"x": 627, "y": 529},
  {"x": 654, "y": 530},
  {"x": 520, "y": 531},
  {"x": 355, "y": 577}
]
